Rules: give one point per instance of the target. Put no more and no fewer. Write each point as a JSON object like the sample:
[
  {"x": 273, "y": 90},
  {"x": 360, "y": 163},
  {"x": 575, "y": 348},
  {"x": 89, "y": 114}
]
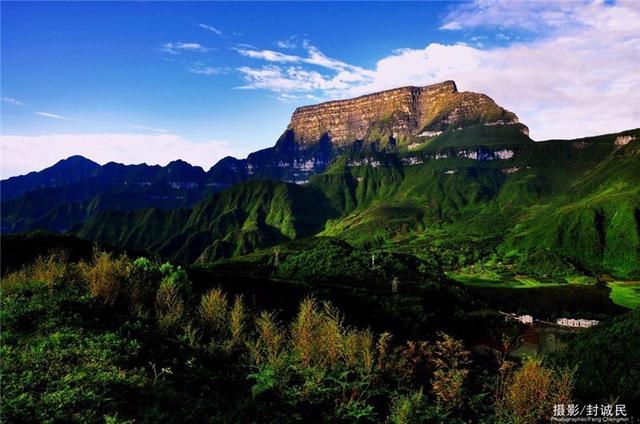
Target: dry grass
[
  {"x": 45, "y": 269},
  {"x": 106, "y": 276},
  {"x": 169, "y": 306},
  {"x": 214, "y": 310},
  {"x": 268, "y": 347},
  {"x": 382, "y": 347},
  {"x": 304, "y": 331},
  {"x": 412, "y": 362},
  {"x": 451, "y": 362},
  {"x": 237, "y": 322},
  {"x": 319, "y": 338},
  {"x": 528, "y": 394}
]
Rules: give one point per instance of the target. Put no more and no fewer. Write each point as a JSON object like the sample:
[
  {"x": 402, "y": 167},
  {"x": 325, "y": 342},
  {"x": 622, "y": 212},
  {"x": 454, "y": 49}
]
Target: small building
[{"x": 577, "y": 323}]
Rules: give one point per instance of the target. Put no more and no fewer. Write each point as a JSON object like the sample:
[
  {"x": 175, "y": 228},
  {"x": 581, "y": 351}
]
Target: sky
[{"x": 152, "y": 82}]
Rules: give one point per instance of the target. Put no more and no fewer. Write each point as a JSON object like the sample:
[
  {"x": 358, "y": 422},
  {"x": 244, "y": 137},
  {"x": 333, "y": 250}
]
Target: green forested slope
[{"x": 493, "y": 186}]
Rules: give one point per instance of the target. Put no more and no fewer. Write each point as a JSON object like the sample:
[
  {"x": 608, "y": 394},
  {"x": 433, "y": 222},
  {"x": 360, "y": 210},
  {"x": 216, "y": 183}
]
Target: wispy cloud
[
  {"x": 210, "y": 28},
  {"x": 207, "y": 70},
  {"x": 146, "y": 128},
  {"x": 55, "y": 116},
  {"x": 289, "y": 43},
  {"x": 21, "y": 154},
  {"x": 329, "y": 77},
  {"x": 578, "y": 76},
  {"x": 12, "y": 101},
  {"x": 533, "y": 16},
  {"x": 314, "y": 57},
  {"x": 178, "y": 47},
  {"x": 269, "y": 55}
]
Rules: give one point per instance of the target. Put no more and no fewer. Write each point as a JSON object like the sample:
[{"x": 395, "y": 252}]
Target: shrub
[
  {"x": 304, "y": 330},
  {"x": 330, "y": 337},
  {"x": 451, "y": 361},
  {"x": 106, "y": 276},
  {"x": 269, "y": 345},
  {"x": 45, "y": 269},
  {"x": 527, "y": 395},
  {"x": 169, "y": 306},
  {"x": 320, "y": 339},
  {"x": 382, "y": 348},
  {"x": 358, "y": 349},
  {"x": 411, "y": 363},
  {"x": 410, "y": 408},
  {"x": 176, "y": 275},
  {"x": 144, "y": 280},
  {"x": 237, "y": 319},
  {"x": 214, "y": 310}
]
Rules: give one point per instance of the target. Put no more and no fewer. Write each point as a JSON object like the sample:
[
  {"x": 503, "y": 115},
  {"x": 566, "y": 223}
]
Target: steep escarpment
[
  {"x": 402, "y": 112},
  {"x": 402, "y": 118}
]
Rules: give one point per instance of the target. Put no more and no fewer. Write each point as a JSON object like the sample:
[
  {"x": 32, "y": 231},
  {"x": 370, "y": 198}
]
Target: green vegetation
[
  {"x": 552, "y": 209},
  {"x": 606, "y": 360},
  {"x": 227, "y": 306},
  {"x": 492, "y": 280},
  {"x": 625, "y": 294},
  {"x": 137, "y": 341}
]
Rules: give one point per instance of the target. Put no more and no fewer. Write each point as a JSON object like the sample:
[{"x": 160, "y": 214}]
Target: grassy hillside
[
  {"x": 481, "y": 190},
  {"x": 237, "y": 221}
]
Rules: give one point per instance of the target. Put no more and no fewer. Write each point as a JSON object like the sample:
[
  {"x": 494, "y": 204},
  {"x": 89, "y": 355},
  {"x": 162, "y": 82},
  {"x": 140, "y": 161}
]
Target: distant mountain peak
[
  {"x": 399, "y": 112},
  {"x": 75, "y": 160},
  {"x": 77, "y": 157}
]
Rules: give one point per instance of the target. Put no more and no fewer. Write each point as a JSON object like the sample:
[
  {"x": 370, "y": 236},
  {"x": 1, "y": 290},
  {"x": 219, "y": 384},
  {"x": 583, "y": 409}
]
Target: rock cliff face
[
  {"x": 319, "y": 132},
  {"x": 401, "y": 112}
]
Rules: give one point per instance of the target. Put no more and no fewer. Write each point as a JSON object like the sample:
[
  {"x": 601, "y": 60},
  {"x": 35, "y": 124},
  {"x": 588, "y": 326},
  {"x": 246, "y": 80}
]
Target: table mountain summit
[
  {"x": 406, "y": 118},
  {"x": 399, "y": 113}
]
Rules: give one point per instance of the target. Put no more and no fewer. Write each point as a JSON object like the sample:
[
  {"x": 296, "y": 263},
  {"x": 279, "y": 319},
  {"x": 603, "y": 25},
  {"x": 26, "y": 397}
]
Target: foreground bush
[
  {"x": 45, "y": 270},
  {"x": 169, "y": 306},
  {"x": 106, "y": 276},
  {"x": 136, "y": 343},
  {"x": 527, "y": 395}
]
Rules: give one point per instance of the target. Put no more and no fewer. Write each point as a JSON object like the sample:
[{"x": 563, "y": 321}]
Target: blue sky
[{"x": 153, "y": 81}]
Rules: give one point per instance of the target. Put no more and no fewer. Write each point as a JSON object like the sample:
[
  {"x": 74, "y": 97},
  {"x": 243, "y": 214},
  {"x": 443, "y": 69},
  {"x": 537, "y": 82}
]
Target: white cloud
[
  {"x": 207, "y": 70},
  {"x": 12, "y": 101},
  {"x": 289, "y": 43},
  {"x": 314, "y": 57},
  {"x": 534, "y": 16},
  {"x": 453, "y": 25},
  {"x": 146, "y": 128},
  {"x": 269, "y": 55},
  {"x": 288, "y": 81},
  {"x": 22, "y": 154},
  {"x": 55, "y": 116},
  {"x": 582, "y": 77},
  {"x": 524, "y": 15},
  {"x": 178, "y": 47},
  {"x": 210, "y": 28}
]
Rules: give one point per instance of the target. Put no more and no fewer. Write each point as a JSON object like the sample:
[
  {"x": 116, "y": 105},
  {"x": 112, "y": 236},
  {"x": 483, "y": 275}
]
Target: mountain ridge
[{"x": 461, "y": 173}]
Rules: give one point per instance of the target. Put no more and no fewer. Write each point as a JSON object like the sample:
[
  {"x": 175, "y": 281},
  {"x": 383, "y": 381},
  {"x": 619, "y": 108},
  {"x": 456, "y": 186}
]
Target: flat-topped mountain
[
  {"x": 386, "y": 168},
  {"x": 402, "y": 112},
  {"x": 406, "y": 118}
]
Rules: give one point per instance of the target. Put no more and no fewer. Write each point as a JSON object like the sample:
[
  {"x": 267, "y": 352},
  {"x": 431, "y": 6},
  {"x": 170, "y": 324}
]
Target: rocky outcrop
[
  {"x": 318, "y": 133},
  {"x": 401, "y": 112},
  {"x": 623, "y": 140},
  {"x": 286, "y": 161}
]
